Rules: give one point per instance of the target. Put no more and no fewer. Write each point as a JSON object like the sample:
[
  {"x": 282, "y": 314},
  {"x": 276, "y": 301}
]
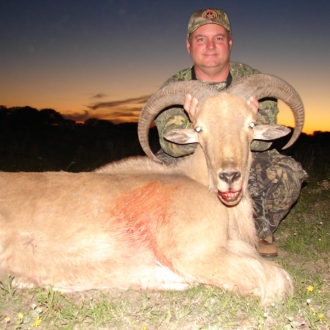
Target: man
[{"x": 275, "y": 180}]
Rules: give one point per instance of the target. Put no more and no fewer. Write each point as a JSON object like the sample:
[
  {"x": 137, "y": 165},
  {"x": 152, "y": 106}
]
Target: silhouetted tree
[
  {"x": 23, "y": 117},
  {"x": 49, "y": 117},
  {"x": 4, "y": 114}
]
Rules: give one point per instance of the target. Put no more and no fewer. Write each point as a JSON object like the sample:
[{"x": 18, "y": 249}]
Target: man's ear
[
  {"x": 188, "y": 45},
  {"x": 230, "y": 41}
]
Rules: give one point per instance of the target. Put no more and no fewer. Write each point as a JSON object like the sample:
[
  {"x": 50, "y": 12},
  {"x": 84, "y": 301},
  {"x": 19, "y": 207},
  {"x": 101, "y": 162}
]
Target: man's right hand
[{"x": 190, "y": 105}]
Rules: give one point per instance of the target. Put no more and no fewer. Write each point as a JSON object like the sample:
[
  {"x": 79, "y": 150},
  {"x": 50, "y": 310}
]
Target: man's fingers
[
  {"x": 193, "y": 106},
  {"x": 253, "y": 103},
  {"x": 190, "y": 105},
  {"x": 187, "y": 102}
]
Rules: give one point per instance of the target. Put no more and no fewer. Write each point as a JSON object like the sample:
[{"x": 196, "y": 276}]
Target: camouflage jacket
[{"x": 177, "y": 118}]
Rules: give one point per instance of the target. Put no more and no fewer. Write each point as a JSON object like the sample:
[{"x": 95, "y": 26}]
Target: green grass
[{"x": 304, "y": 242}]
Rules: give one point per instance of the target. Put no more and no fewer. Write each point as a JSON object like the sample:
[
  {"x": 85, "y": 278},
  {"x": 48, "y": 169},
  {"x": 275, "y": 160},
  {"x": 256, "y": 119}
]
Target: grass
[{"x": 304, "y": 242}]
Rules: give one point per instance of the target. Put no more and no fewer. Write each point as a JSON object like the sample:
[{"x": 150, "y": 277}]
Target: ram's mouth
[{"x": 230, "y": 197}]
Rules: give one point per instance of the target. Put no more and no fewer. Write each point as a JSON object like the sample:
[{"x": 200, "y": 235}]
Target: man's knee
[
  {"x": 271, "y": 168},
  {"x": 274, "y": 184}
]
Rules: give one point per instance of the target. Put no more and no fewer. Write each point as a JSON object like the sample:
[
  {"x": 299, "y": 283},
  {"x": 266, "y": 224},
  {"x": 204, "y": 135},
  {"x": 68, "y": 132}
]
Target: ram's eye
[
  {"x": 252, "y": 124},
  {"x": 198, "y": 129}
]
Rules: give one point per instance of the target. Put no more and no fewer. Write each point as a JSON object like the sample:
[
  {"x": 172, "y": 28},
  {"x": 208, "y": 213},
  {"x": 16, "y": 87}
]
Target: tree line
[
  {"x": 32, "y": 140},
  {"x": 43, "y": 140}
]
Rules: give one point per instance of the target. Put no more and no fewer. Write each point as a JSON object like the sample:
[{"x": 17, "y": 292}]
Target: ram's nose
[{"x": 229, "y": 177}]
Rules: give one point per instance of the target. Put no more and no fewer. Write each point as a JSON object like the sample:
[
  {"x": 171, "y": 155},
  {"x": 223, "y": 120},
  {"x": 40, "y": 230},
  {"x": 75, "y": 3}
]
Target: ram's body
[{"x": 140, "y": 224}]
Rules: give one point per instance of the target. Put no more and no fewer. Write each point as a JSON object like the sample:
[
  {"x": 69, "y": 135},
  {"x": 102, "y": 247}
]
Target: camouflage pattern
[
  {"x": 275, "y": 180},
  {"x": 208, "y": 16},
  {"x": 274, "y": 185}
]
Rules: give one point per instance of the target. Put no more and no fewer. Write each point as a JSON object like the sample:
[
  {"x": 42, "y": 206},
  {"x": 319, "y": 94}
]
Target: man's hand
[
  {"x": 253, "y": 103},
  {"x": 190, "y": 105}
]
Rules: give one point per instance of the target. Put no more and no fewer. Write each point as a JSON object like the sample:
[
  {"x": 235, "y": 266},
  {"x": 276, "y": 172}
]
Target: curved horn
[
  {"x": 265, "y": 85},
  {"x": 172, "y": 94}
]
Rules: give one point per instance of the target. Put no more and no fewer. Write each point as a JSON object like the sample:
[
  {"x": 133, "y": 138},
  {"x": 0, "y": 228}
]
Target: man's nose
[{"x": 210, "y": 44}]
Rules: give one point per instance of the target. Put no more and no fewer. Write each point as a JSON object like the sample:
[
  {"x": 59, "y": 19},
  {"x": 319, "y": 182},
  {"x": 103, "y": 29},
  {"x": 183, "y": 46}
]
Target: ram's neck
[
  {"x": 195, "y": 167},
  {"x": 241, "y": 223}
]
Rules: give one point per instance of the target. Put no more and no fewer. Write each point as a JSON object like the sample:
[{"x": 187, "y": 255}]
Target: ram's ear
[
  {"x": 182, "y": 135},
  {"x": 269, "y": 132}
]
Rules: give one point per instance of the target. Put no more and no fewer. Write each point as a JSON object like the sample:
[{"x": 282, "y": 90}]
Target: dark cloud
[
  {"x": 121, "y": 103},
  {"x": 98, "y": 96},
  {"x": 116, "y": 111},
  {"x": 77, "y": 116}
]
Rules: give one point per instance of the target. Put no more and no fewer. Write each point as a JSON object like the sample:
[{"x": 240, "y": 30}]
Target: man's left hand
[{"x": 253, "y": 103}]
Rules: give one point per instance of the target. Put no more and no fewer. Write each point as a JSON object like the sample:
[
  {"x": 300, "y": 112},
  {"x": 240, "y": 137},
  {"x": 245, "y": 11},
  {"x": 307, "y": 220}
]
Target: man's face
[{"x": 209, "y": 46}]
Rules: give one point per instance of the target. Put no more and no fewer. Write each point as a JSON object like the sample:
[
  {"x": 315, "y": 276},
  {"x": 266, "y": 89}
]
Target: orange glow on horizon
[{"x": 129, "y": 112}]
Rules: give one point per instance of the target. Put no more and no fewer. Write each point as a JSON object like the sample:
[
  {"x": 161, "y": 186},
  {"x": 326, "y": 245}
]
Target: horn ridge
[
  {"x": 263, "y": 85},
  {"x": 172, "y": 94}
]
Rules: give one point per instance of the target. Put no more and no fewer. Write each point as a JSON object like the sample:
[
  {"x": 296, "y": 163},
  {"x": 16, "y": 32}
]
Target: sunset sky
[{"x": 104, "y": 58}]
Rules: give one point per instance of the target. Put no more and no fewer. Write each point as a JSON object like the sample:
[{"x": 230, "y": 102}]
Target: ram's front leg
[{"x": 238, "y": 268}]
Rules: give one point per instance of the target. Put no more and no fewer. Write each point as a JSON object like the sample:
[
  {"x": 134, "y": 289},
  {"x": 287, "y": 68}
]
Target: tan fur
[{"x": 142, "y": 225}]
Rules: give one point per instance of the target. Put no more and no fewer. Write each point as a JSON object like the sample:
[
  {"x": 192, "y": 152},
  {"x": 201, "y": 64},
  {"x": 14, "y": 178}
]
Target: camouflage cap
[{"x": 208, "y": 16}]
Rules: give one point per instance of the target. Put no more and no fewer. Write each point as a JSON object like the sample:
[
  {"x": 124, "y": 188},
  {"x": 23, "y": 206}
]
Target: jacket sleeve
[
  {"x": 168, "y": 120},
  {"x": 267, "y": 114},
  {"x": 174, "y": 118}
]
